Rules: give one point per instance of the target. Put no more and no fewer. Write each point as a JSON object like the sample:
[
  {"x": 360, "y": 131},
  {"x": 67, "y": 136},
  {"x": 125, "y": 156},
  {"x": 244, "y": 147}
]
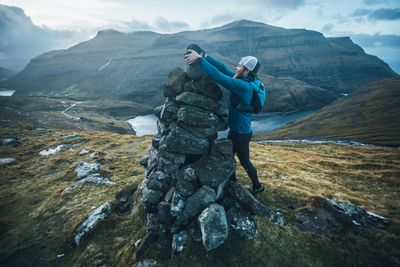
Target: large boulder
[
  {"x": 197, "y": 117},
  {"x": 245, "y": 198},
  {"x": 203, "y": 197},
  {"x": 181, "y": 141},
  {"x": 204, "y": 86},
  {"x": 193, "y": 99},
  {"x": 214, "y": 226},
  {"x": 241, "y": 223}
]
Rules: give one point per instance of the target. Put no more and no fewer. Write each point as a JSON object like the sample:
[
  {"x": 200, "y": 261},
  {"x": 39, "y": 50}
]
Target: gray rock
[
  {"x": 51, "y": 150},
  {"x": 99, "y": 214},
  {"x": 245, "y": 198},
  {"x": 214, "y": 226},
  {"x": 194, "y": 71},
  {"x": 151, "y": 196},
  {"x": 93, "y": 178},
  {"x": 152, "y": 160},
  {"x": 214, "y": 172},
  {"x": 125, "y": 200},
  {"x": 181, "y": 141},
  {"x": 156, "y": 141},
  {"x": 11, "y": 141},
  {"x": 241, "y": 223},
  {"x": 186, "y": 186},
  {"x": 222, "y": 149},
  {"x": 163, "y": 128},
  {"x": 202, "y": 133},
  {"x": 358, "y": 216},
  {"x": 193, "y": 99},
  {"x": 145, "y": 263},
  {"x": 83, "y": 152},
  {"x": 203, "y": 197},
  {"x": 197, "y": 117},
  {"x": 4, "y": 161},
  {"x": 179, "y": 241},
  {"x": 84, "y": 169},
  {"x": 177, "y": 204},
  {"x": 169, "y": 111},
  {"x": 319, "y": 221},
  {"x": 70, "y": 136},
  {"x": 168, "y": 167},
  {"x": 143, "y": 161},
  {"x": 176, "y": 158},
  {"x": 205, "y": 86},
  {"x": 164, "y": 212},
  {"x": 157, "y": 111},
  {"x": 158, "y": 181},
  {"x": 276, "y": 217},
  {"x": 176, "y": 80}
]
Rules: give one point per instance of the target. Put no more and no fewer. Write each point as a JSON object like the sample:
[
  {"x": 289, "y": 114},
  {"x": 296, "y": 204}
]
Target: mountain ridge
[{"x": 131, "y": 66}]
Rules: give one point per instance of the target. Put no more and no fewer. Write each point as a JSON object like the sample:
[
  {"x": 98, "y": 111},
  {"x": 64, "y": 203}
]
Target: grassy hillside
[
  {"x": 370, "y": 115},
  {"x": 37, "y": 223}
]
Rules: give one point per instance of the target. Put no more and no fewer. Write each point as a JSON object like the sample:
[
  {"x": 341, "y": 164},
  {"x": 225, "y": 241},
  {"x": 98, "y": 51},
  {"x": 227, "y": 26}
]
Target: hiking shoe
[{"x": 258, "y": 189}]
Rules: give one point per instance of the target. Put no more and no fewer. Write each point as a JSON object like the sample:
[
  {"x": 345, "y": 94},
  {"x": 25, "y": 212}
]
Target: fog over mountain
[{"x": 21, "y": 40}]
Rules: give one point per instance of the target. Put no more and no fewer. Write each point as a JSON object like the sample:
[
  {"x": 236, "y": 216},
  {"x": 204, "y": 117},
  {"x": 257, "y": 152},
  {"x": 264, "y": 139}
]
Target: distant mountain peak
[{"x": 248, "y": 23}]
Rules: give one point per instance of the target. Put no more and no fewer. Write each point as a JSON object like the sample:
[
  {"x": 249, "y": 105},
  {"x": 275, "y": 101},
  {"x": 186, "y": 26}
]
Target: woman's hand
[{"x": 192, "y": 57}]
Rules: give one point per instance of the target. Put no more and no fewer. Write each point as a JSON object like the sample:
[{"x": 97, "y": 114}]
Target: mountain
[
  {"x": 6, "y": 73},
  {"x": 132, "y": 66},
  {"x": 370, "y": 115}
]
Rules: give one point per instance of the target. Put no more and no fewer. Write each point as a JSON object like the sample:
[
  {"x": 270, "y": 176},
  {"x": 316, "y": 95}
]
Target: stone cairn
[{"x": 186, "y": 189}]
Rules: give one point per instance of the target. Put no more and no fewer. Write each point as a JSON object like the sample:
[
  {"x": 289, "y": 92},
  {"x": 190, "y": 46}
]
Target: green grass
[{"x": 37, "y": 223}]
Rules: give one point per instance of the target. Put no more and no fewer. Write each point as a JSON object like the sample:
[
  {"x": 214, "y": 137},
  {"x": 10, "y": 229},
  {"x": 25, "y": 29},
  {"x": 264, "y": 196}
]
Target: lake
[{"x": 265, "y": 122}]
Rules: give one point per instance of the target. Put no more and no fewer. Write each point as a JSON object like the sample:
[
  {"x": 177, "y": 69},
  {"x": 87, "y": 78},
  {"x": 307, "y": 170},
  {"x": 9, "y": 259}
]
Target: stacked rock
[{"x": 186, "y": 188}]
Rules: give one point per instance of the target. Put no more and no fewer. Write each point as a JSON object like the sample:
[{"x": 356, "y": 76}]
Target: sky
[{"x": 373, "y": 24}]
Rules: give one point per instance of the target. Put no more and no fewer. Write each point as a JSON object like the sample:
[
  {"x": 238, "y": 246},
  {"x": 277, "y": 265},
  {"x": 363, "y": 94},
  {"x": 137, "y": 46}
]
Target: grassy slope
[
  {"x": 37, "y": 223},
  {"x": 370, "y": 115}
]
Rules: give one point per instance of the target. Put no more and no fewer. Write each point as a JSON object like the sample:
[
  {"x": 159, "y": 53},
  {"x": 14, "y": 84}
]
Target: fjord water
[{"x": 265, "y": 122}]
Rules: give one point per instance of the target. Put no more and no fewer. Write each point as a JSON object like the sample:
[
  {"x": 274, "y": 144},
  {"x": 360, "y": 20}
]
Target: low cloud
[
  {"x": 378, "y": 14},
  {"x": 21, "y": 40}
]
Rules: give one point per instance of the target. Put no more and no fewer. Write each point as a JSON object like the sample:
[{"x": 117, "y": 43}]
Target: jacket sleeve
[
  {"x": 238, "y": 87},
  {"x": 220, "y": 66}
]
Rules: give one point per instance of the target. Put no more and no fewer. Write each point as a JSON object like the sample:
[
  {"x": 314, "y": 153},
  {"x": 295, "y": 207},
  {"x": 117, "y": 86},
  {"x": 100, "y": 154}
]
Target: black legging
[{"x": 241, "y": 148}]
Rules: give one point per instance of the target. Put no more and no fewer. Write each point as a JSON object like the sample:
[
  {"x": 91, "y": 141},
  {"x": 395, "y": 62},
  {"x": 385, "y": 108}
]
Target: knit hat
[{"x": 251, "y": 63}]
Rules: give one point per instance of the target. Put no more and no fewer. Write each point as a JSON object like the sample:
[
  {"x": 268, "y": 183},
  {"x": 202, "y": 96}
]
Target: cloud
[
  {"x": 276, "y": 4},
  {"x": 378, "y": 14},
  {"x": 327, "y": 28},
  {"x": 378, "y": 2},
  {"x": 168, "y": 26},
  {"x": 377, "y": 40},
  {"x": 221, "y": 19},
  {"x": 21, "y": 40}
]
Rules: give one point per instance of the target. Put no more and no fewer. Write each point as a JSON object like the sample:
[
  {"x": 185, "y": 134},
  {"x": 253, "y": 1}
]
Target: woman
[{"x": 238, "y": 82}]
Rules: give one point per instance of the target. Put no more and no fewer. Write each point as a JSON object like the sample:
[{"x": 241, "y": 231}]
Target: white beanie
[{"x": 249, "y": 62}]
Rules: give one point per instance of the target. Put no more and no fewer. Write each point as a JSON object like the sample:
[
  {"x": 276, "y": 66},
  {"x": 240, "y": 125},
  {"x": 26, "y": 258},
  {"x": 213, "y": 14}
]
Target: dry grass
[{"x": 37, "y": 223}]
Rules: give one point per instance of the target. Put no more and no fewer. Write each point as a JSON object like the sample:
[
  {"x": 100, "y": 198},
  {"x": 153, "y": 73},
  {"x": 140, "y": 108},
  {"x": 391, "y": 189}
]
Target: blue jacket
[{"x": 239, "y": 122}]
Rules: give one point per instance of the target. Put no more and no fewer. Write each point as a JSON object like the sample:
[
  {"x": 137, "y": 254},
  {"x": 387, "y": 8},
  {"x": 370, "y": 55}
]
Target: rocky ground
[{"x": 41, "y": 216}]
